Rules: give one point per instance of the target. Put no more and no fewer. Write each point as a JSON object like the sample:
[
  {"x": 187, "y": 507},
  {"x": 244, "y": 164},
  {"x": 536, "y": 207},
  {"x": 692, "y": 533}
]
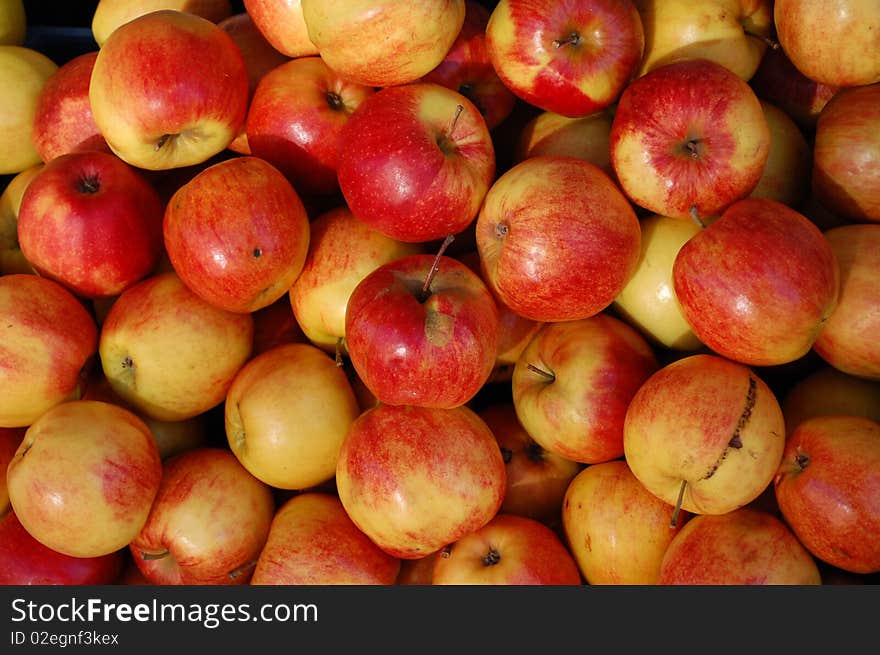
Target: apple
[
  {"x": 467, "y": 68},
  {"x": 846, "y": 150},
  {"x": 414, "y": 479},
  {"x": 84, "y": 477},
  {"x": 287, "y": 413},
  {"x": 11, "y": 258},
  {"x": 508, "y": 550},
  {"x": 648, "y": 301},
  {"x": 586, "y": 137},
  {"x": 168, "y": 353},
  {"x": 735, "y": 34},
  {"x": 182, "y": 99},
  {"x": 28, "y": 562},
  {"x": 827, "y": 485},
  {"x": 828, "y": 391},
  {"x": 779, "y": 82},
  {"x": 836, "y": 43},
  {"x": 23, "y": 73},
  {"x": 296, "y": 118},
  {"x": 704, "y": 434},
  {"x": 237, "y": 234},
  {"x": 383, "y": 43},
  {"x": 208, "y": 523},
  {"x": 422, "y": 330},
  {"x": 91, "y": 222},
  {"x": 343, "y": 250},
  {"x": 741, "y": 547},
  {"x": 573, "y": 383},
  {"x": 616, "y": 530},
  {"x": 765, "y": 301},
  {"x": 428, "y": 149},
  {"x": 419, "y": 571},
  {"x": 110, "y": 14},
  {"x": 786, "y": 176},
  {"x": 571, "y": 58},
  {"x": 283, "y": 26},
  {"x": 13, "y": 22},
  {"x": 689, "y": 137},
  {"x": 536, "y": 478},
  {"x": 49, "y": 343},
  {"x": 557, "y": 239},
  {"x": 274, "y": 325},
  {"x": 312, "y": 541},
  {"x": 10, "y": 438},
  {"x": 63, "y": 121}
]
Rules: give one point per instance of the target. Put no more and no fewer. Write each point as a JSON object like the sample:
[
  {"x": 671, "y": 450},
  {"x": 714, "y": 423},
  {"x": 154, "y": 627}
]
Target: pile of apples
[{"x": 443, "y": 292}]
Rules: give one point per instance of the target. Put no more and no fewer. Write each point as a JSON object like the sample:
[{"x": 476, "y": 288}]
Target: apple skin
[
  {"x": 49, "y": 343},
  {"x": 383, "y": 43},
  {"x": 828, "y": 391},
  {"x": 508, "y": 550},
  {"x": 536, "y": 478},
  {"x": 13, "y": 23},
  {"x": 110, "y": 14},
  {"x": 827, "y": 487},
  {"x": 836, "y": 43},
  {"x": 91, "y": 222},
  {"x": 237, "y": 234},
  {"x": 296, "y": 117},
  {"x": 181, "y": 116},
  {"x": 689, "y": 136},
  {"x": 846, "y": 153},
  {"x": 208, "y": 523},
  {"x": 167, "y": 352},
  {"x": 25, "y": 71},
  {"x": 10, "y": 438},
  {"x": 312, "y": 541},
  {"x": 467, "y": 68},
  {"x": 707, "y": 421},
  {"x": 414, "y": 479},
  {"x": 287, "y": 413},
  {"x": 734, "y": 34},
  {"x": 283, "y": 25},
  {"x": 569, "y": 58},
  {"x": 11, "y": 258},
  {"x": 84, "y": 477},
  {"x": 588, "y": 370},
  {"x": 343, "y": 250},
  {"x": 63, "y": 121},
  {"x": 614, "y": 527},
  {"x": 786, "y": 176},
  {"x": 770, "y": 251},
  {"x": 418, "y": 571},
  {"x": 587, "y": 137},
  {"x": 28, "y": 562},
  {"x": 741, "y": 547},
  {"x": 274, "y": 325},
  {"x": 557, "y": 239},
  {"x": 435, "y": 349},
  {"x": 430, "y": 151}
]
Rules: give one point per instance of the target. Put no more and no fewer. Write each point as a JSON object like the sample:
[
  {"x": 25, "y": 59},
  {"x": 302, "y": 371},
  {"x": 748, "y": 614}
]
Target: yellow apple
[
  {"x": 12, "y": 260},
  {"x": 585, "y": 137},
  {"x": 283, "y": 25},
  {"x": 828, "y": 391},
  {"x": 786, "y": 176},
  {"x": 13, "y": 22},
  {"x": 110, "y": 14}
]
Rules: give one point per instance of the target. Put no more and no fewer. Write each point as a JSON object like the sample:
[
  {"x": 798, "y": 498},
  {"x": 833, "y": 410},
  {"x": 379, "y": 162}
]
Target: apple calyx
[
  {"x": 334, "y": 101},
  {"x": 88, "y": 184},
  {"x": 492, "y": 557},
  {"x": 425, "y": 291}
]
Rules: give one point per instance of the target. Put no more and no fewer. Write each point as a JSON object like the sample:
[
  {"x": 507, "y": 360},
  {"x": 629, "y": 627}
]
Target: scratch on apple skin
[{"x": 736, "y": 439}]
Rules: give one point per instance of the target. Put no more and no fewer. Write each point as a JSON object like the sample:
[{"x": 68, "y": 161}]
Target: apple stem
[
  {"x": 234, "y": 573},
  {"x": 696, "y": 216},
  {"x": 540, "y": 371},
  {"x": 162, "y": 141},
  {"x": 572, "y": 39},
  {"x": 458, "y": 110},
  {"x": 677, "y": 509},
  {"x": 426, "y": 287},
  {"x": 338, "y": 354},
  {"x": 151, "y": 556},
  {"x": 773, "y": 44}
]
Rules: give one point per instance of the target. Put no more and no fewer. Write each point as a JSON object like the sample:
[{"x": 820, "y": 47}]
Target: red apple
[
  {"x": 758, "y": 283},
  {"x": 467, "y": 68},
  {"x": 741, "y": 547},
  {"x": 422, "y": 330},
  {"x": 274, "y": 325},
  {"x": 571, "y": 58},
  {"x": 296, "y": 117},
  {"x": 827, "y": 391},
  {"x": 827, "y": 487},
  {"x": 84, "y": 477},
  {"x": 574, "y": 381},
  {"x": 312, "y": 541},
  {"x": 557, "y": 239},
  {"x": 509, "y": 550},
  {"x": 414, "y": 479},
  {"x": 428, "y": 150},
  {"x": 283, "y": 25},
  {"x": 64, "y": 122},
  {"x": 91, "y": 222},
  {"x": 536, "y": 478},
  {"x": 689, "y": 137},
  {"x": 182, "y": 99},
  {"x": 419, "y": 571},
  {"x": 10, "y": 438},
  {"x": 49, "y": 343},
  {"x": 208, "y": 523},
  {"x": 28, "y": 562},
  {"x": 237, "y": 234}
]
